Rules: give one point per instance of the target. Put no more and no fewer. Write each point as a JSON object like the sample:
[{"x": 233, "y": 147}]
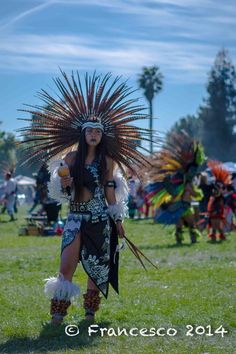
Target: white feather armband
[
  {"x": 122, "y": 189},
  {"x": 119, "y": 210},
  {"x": 54, "y": 185}
]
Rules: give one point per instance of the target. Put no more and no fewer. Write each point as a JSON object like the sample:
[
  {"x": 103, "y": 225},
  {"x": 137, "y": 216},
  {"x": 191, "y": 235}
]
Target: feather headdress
[
  {"x": 55, "y": 127},
  {"x": 174, "y": 165},
  {"x": 219, "y": 172}
]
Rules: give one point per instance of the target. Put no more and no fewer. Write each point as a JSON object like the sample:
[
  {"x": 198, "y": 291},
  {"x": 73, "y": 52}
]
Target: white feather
[
  {"x": 118, "y": 210},
  {"x": 122, "y": 189},
  {"x": 60, "y": 289},
  {"x": 54, "y": 185}
]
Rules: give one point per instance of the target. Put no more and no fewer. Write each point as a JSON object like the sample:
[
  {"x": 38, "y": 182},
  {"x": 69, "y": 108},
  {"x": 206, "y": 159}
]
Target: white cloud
[
  {"x": 26, "y": 13},
  {"x": 182, "y": 42},
  {"x": 156, "y": 14},
  {"x": 203, "y": 20},
  {"x": 185, "y": 62}
]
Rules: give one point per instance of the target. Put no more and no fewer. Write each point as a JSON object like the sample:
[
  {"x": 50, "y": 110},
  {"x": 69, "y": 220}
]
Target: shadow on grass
[
  {"x": 54, "y": 339},
  {"x": 176, "y": 245},
  {"x": 148, "y": 221},
  {"x": 168, "y": 246},
  {"x": 217, "y": 242}
]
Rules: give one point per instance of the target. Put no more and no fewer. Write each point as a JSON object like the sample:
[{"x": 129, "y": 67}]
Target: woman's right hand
[{"x": 66, "y": 181}]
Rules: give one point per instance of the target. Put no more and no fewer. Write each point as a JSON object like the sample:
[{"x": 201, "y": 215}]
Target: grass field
[{"x": 195, "y": 285}]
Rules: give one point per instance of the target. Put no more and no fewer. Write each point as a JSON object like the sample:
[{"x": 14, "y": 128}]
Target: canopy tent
[{"x": 25, "y": 181}]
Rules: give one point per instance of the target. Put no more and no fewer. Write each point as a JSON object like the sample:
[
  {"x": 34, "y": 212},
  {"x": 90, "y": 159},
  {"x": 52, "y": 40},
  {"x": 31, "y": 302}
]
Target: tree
[
  {"x": 7, "y": 149},
  {"x": 12, "y": 154},
  {"x": 150, "y": 80},
  {"x": 218, "y": 113},
  {"x": 190, "y": 124}
]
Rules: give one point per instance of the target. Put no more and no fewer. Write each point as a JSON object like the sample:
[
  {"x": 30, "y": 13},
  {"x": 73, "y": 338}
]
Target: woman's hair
[{"x": 78, "y": 167}]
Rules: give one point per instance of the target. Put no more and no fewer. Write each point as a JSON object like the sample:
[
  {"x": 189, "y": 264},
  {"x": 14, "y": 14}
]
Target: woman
[
  {"x": 87, "y": 233},
  {"x": 94, "y": 117}
]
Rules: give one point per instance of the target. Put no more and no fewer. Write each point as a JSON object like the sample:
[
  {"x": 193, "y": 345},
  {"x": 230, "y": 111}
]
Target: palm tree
[{"x": 150, "y": 80}]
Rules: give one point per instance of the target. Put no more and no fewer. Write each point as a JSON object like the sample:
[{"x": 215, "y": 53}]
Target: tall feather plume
[
  {"x": 176, "y": 163},
  {"x": 178, "y": 153},
  {"x": 219, "y": 172},
  {"x": 56, "y": 125}
]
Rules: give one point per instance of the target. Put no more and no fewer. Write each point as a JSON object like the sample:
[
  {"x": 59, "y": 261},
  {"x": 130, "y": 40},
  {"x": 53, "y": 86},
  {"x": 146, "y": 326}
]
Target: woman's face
[{"x": 93, "y": 136}]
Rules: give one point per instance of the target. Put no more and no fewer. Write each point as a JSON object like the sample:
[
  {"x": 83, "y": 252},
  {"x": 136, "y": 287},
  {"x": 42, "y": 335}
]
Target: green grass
[{"x": 195, "y": 285}]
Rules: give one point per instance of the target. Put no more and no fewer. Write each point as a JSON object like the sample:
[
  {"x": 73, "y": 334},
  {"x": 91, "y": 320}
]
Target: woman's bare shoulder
[{"x": 70, "y": 158}]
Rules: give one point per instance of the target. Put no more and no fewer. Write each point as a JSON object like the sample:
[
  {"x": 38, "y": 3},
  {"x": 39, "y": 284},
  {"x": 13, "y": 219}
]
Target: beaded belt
[
  {"x": 79, "y": 207},
  {"x": 95, "y": 207}
]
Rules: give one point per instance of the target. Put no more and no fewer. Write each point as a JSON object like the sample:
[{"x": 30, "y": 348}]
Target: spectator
[{"x": 9, "y": 195}]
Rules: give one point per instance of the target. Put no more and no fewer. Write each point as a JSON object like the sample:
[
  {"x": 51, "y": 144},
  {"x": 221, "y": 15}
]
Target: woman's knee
[{"x": 70, "y": 258}]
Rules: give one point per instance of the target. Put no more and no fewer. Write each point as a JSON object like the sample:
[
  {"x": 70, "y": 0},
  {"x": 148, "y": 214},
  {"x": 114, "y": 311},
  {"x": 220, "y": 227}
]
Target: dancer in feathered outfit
[
  {"x": 173, "y": 189},
  {"x": 84, "y": 133},
  {"x": 216, "y": 204}
]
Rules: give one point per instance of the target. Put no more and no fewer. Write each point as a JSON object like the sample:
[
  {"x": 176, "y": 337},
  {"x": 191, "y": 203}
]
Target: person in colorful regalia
[
  {"x": 217, "y": 203},
  {"x": 173, "y": 188}
]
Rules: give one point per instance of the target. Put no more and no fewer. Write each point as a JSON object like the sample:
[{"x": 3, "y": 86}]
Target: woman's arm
[{"x": 113, "y": 206}]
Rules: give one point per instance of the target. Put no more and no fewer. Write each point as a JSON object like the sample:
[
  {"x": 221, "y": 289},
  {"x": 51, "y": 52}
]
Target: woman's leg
[
  {"x": 91, "y": 300},
  {"x": 61, "y": 289},
  {"x": 70, "y": 258},
  {"x": 91, "y": 285}
]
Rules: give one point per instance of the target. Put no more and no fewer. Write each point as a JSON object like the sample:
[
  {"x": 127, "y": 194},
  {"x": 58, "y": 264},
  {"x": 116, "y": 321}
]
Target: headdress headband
[{"x": 92, "y": 125}]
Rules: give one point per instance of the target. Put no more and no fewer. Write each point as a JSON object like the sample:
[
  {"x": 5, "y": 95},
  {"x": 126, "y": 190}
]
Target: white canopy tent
[{"x": 25, "y": 181}]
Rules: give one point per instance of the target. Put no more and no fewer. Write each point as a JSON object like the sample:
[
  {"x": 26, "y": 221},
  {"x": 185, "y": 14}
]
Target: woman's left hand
[{"x": 120, "y": 229}]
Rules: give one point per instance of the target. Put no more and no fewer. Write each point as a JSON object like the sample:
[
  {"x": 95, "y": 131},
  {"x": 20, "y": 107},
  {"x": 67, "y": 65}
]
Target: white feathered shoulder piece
[
  {"x": 122, "y": 189},
  {"x": 119, "y": 210},
  {"x": 54, "y": 185}
]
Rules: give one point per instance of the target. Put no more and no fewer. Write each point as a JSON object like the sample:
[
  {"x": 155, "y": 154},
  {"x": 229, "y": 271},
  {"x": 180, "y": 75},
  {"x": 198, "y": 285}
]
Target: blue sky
[{"x": 182, "y": 37}]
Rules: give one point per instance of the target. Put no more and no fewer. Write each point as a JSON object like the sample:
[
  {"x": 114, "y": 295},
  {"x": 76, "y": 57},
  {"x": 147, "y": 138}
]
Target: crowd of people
[
  {"x": 139, "y": 205},
  {"x": 180, "y": 195}
]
